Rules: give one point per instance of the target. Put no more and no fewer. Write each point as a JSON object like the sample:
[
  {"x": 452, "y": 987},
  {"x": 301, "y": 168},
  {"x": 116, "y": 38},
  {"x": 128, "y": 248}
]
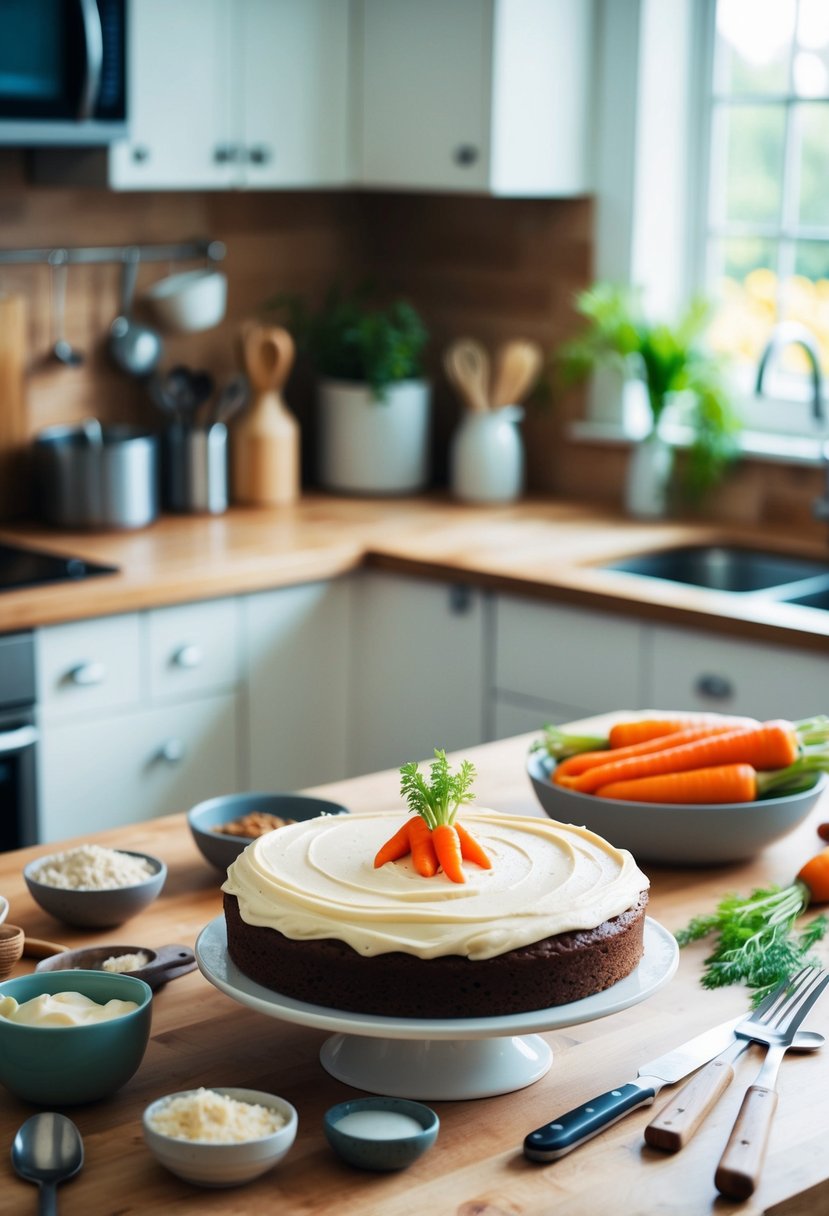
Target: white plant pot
[
  {"x": 648, "y": 478},
  {"x": 373, "y": 447}
]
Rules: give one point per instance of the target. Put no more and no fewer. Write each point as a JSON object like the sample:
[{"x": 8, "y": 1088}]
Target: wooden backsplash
[{"x": 491, "y": 268}]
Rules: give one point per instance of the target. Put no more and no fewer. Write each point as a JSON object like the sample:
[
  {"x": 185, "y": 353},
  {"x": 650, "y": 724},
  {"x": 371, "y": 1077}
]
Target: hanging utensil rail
[{"x": 63, "y": 255}]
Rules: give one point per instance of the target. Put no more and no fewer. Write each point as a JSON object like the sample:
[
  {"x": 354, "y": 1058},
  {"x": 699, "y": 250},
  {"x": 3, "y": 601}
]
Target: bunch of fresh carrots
[
  {"x": 709, "y": 760},
  {"x": 432, "y": 835}
]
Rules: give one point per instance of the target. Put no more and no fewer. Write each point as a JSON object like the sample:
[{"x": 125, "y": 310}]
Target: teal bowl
[
  {"x": 380, "y": 1144},
  {"x": 72, "y": 1065}
]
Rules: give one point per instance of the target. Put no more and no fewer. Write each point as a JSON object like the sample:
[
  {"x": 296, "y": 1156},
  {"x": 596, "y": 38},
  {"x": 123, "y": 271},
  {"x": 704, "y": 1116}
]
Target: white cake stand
[{"x": 430, "y": 1059}]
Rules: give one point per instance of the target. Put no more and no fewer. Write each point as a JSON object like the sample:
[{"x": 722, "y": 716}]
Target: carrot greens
[{"x": 437, "y": 801}]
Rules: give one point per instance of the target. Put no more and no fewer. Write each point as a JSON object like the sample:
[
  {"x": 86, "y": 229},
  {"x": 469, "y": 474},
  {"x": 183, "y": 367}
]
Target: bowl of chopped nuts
[
  {"x": 224, "y": 827},
  {"x": 95, "y": 887}
]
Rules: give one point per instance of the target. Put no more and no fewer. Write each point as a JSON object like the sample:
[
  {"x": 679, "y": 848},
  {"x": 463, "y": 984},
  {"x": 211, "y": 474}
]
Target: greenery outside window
[{"x": 765, "y": 246}]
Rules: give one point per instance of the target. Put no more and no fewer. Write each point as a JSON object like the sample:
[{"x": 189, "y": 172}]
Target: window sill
[{"x": 758, "y": 445}]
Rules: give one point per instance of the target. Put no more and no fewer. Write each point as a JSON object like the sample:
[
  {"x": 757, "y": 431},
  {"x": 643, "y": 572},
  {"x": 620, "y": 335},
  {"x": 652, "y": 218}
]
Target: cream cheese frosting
[{"x": 317, "y": 880}]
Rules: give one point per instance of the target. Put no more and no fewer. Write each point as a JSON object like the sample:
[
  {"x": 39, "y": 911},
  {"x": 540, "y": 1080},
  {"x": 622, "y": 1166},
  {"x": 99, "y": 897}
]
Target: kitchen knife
[{"x": 567, "y": 1132}]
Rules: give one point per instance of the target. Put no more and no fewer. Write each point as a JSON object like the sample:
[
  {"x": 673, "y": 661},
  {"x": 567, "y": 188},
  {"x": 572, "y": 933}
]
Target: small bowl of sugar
[
  {"x": 95, "y": 887},
  {"x": 219, "y": 1137},
  {"x": 380, "y": 1133}
]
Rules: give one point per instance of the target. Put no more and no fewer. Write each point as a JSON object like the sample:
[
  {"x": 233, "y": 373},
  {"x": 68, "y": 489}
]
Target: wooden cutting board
[{"x": 14, "y": 440}]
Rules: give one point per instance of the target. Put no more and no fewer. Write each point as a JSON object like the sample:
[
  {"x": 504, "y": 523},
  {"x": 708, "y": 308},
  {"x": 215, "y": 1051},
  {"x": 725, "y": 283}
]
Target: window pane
[
  {"x": 753, "y": 46},
  {"x": 810, "y": 70},
  {"x": 752, "y": 145},
  {"x": 813, "y": 124},
  {"x": 745, "y": 294},
  {"x": 805, "y": 299}
]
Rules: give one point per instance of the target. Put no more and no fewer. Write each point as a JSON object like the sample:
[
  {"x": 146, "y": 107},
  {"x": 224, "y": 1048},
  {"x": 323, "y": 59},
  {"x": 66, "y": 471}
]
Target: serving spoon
[{"x": 47, "y": 1150}]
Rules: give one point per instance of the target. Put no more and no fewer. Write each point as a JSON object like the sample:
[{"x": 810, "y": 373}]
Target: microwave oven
[{"x": 62, "y": 72}]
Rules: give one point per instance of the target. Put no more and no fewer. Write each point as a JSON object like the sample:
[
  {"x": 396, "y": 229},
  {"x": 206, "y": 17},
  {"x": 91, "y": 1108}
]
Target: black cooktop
[{"x": 33, "y": 567}]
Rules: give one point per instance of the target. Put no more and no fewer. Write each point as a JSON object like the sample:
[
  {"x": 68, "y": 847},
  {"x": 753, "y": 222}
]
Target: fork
[
  {"x": 679, "y": 1119},
  {"x": 740, "y": 1166}
]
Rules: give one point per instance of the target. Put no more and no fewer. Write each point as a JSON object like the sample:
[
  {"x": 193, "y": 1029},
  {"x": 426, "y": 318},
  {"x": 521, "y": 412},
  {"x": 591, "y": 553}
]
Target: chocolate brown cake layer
[{"x": 551, "y": 972}]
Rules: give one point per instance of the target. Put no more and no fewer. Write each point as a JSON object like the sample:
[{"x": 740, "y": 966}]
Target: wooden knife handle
[
  {"x": 740, "y": 1166},
  {"x": 678, "y": 1120}
]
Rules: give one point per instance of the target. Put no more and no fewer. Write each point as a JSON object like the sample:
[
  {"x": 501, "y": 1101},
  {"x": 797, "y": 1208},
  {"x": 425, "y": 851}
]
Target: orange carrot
[
  {"x": 769, "y": 746},
  {"x": 623, "y": 734},
  {"x": 472, "y": 849},
  {"x": 815, "y": 876},
  {"x": 396, "y": 846},
  {"x": 722, "y": 783},
  {"x": 424, "y": 856},
  {"x": 448, "y": 849},
  {"x": 573, "y": 766}
]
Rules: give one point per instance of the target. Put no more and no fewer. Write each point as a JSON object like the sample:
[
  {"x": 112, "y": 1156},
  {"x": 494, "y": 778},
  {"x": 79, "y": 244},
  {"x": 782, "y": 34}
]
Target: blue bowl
[
  {"x": 71, "y": 1065},
  {"x": 220, "y": 849},
  {"x": 378, "y": 1150}
]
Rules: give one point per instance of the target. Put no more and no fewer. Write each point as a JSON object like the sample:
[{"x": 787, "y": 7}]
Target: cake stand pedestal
[{"x": 432, "y": 1059}]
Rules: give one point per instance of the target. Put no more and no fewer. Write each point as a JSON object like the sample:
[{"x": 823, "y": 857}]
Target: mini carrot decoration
[
  {"x": 472, "y": 849},
  {"x": 448, "y": 848},
  {"x": 772, "y": 745},
  {"x": 574, "y": 766},
  {"x": 397, "y": 846},
  {"x": 424, "y": 853}
]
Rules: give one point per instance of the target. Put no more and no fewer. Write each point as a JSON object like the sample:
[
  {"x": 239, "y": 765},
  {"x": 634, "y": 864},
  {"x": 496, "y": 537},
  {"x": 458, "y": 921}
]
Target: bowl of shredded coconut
[
  {"x": 95, "y": 887},
  {"x": 219, "y": 1137}
]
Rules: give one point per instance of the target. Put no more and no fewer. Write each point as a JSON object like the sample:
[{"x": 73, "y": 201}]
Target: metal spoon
[
  {"x": 47, "y": 1150},
  {"x": 135, "y": 348},
  {"x": 62, "y": 350}
]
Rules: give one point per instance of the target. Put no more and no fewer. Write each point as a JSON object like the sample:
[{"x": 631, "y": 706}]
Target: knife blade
[{"x": 568, "y": 1131}]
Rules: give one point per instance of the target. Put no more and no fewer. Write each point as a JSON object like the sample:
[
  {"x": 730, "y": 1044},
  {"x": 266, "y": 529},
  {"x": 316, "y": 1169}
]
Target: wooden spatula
[{"x": 265, "y": 438}]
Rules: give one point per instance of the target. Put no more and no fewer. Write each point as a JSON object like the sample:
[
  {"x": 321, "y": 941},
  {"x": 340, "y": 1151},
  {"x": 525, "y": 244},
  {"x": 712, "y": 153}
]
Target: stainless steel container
[
  {"x": 95, "y": 476},
  {"x": 194, "y": 468}
]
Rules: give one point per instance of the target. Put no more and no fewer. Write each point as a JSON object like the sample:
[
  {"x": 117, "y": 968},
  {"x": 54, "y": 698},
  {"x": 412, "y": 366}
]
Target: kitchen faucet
[{"x": 791, "y": 334}]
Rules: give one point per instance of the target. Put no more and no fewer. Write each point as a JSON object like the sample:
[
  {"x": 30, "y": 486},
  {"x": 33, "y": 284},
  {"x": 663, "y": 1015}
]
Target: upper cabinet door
[
  {"x": 179, "y": 97},
  {"x": 476, "y": 95},
  {"x": 425, "y": 96},
  {"x": 293, "y": 78}
]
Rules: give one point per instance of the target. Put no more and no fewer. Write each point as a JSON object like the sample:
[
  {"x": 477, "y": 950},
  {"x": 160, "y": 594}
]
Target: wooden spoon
[
  {"x": 466, "y": 364},
  {"x": 517, "y": 365}
]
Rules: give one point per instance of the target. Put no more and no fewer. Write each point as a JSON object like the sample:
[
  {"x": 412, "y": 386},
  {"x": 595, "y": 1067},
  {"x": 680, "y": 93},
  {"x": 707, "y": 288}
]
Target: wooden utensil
[
  {"x": 164, "y": 964},
  {"x": 517, "y": 364},
  {"x": 265, "y": 439},
  {"x": 466, "y": 364}
]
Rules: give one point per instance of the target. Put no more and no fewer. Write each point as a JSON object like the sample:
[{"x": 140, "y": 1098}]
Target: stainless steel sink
[
  {"x": 815, "y": 599},
  {"x": 728, "y": 568}
]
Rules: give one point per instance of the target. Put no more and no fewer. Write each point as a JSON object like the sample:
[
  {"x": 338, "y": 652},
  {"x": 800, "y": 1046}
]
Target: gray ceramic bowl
[
  {"x": 71, "y": 1065},
  {"x": 219, "y": 1165},
  {"x": 220, "y": 849},
  {"x": 671, "y": 833},
  {"x": 97, "y": 909},
  {"x": 381, "y": 1147}
]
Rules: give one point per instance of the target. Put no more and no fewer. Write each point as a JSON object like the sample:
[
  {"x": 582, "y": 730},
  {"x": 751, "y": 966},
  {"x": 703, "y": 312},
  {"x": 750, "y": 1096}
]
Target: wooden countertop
[
  {"x": 544, "y": 548},
  {"x": 201, "y": 1036}
]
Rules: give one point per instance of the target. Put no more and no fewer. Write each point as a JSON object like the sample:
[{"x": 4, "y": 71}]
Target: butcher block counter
[
  {"x": 203, "y": 1037},
  {"x": 545, "y": 548}
]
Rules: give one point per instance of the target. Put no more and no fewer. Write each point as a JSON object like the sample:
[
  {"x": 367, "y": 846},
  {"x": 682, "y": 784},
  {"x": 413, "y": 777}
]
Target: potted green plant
[
  {"x": 676, "y": 369},
  {"x": 373, "y": 401}
]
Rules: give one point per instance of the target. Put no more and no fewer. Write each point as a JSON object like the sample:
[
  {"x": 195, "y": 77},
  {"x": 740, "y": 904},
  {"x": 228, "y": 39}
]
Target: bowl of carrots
[{"x": 685, "y": 791}]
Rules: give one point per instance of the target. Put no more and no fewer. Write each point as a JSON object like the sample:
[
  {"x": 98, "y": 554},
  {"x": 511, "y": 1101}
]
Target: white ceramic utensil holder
[
  {"x": 648, "y": 478},
  {"x": 487, "y": 456},
  {"x": 374, "y": 447}
]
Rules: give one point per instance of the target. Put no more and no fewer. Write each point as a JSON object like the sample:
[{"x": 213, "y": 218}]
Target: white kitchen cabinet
[
  {"x": 418, "y": 663},
  {"x": 475, "y": 95},
  {"x": 138, "y": 715},
  {"x": 688, "y": 669},
  {"x": 236, "y": 93},
  {"x": 553, "y": 663},
  {"x": 297, "y": 663}
]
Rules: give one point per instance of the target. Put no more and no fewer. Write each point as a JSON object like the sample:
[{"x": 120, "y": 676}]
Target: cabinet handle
[
  {"x": 85, "y": 675},
  {"x": 140, "y": 154},
  {"x": 225, "y": 154},
  {"x": 188, "y": 657},
  {"x": 460, "y": 599},
  {"x": 718, "y": 688},
  {"x": 260, "y": 154},
  {"x": 171, "y": 751},
  {"x": 465, "y": 155}
]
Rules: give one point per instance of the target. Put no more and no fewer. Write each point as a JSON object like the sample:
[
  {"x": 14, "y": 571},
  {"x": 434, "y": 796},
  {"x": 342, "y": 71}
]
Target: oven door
[{"x": 18, "y": 804}]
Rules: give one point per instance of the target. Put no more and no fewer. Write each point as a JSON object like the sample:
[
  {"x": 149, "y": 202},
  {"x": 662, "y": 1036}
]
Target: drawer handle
[
  {"x": 188, "y": 657},
  {"x": 718, "y": 688},
  {"x": 172, "y": 751},
  {"x": 85, "y": 675}
]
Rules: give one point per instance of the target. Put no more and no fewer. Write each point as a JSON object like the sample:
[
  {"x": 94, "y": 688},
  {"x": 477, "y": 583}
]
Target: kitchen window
[{"x": 764, "y": 244}]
